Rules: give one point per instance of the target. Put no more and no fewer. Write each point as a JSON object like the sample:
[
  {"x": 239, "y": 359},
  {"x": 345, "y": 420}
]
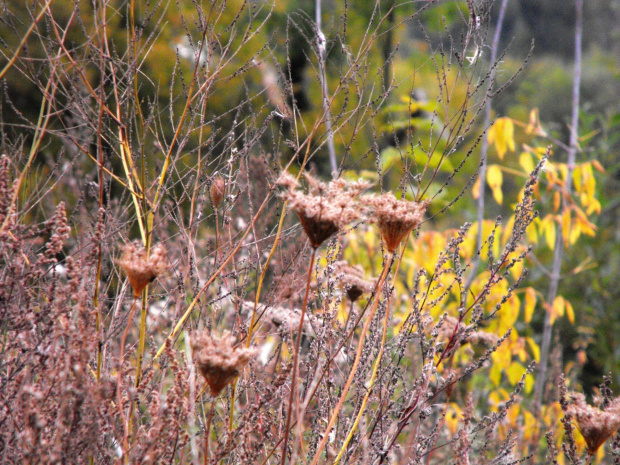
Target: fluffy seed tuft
[
  {"x": 395, "y": 218},
  {"x": 140, "y": 268},
  {"x": 326, "y": 209},
  {"x": 594, "y": 424},
  {"x": 218, "y": 361}
]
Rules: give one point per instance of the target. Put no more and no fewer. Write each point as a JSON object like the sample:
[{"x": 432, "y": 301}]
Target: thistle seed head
[
  {"x": 218, "y": 361},
  {"x": 326, "y": 209},
  {"x": 594, "y": 424},
  {"x": 140, "y": 268},
  {"x": 395, "y": 218}
]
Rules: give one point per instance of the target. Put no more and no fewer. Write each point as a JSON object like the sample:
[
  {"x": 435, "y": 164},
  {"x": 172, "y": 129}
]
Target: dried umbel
[
  {"x": 595, "y": 425},
  {"x": 353, "y": 280},
  {"x": 140, "y": 268},
  {"x": 218, "y": 361},
  {"x": 395, "y": 218},
  {"x": 217, "y": 190},
  {"x": 326, "y": 209}
]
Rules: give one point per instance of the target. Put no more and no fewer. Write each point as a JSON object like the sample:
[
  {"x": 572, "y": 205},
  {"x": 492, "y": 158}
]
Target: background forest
[{"x": 434, "y": 281}]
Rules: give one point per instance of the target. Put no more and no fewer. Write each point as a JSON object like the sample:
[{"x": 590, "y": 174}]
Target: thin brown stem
[
  {"x": 119, "y": 378},
  {"x": 208, "y": 430},
  {"x": 296, "y": 359}
]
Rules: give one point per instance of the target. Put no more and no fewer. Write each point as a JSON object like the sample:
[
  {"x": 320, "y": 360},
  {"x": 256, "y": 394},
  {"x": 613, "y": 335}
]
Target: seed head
[
  {"x": 140, "y": 268},
  {"x": 217, "y": 190},
  {"x": 395, "y": 218},
  {"x": 326, "y": 209},
  {"x": 594, "y": 424},
  {"x": 353, "y": 280},
  {"x": 218, "y": 361}
]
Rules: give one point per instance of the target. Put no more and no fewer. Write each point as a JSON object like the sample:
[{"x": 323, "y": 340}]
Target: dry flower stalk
[
  {"x": 594, "y": 424},
  {"x": 395, "y": 218},
  {"x": 140, "y": 268},
  {"x": 218, "y": 361},
  {"x": 326, "y": 209},
  {"x": 353, "y": 280},
  {"x": 217, "y": 190}
]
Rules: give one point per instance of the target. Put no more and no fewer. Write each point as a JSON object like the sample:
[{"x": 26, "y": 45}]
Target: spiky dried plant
[
  {"x": 218, "y": 360},
  {"x": 326, "y": 209},
  {"x": 396, "y": 218},
  {"x": 141, "y": 268},
  {"x": 594, "y": 424}
]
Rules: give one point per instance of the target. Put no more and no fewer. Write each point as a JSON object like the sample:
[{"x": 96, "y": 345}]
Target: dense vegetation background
[{"x": 128, "y": 112}]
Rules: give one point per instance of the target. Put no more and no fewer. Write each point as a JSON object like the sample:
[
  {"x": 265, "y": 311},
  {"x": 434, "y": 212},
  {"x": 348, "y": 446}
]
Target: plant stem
[
  {"x": 484, "y": 148},
  {"x": 296, "y": 358},
  {"x": 558, "y": 251},
  {"x": 207, "y": 431},
  {"x": 321, "y": 45},
  {"x": 119, "y": 378}
]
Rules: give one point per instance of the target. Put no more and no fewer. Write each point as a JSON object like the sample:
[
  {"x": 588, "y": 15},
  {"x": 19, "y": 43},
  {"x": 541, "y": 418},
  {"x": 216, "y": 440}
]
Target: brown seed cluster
[
  {"x": 218, "y": 361},
  {"x": 217, "y": 190},
  {"x": 353, "y": 280},
  {"x": 395, "y": 218},
  {"x": 326, "y": 209},
  {"x": 140, "y": 268},
  {"x": 594, "y": 424}
]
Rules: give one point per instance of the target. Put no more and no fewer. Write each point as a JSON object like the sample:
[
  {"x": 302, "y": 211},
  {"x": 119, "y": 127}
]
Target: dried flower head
[
  {"x": 595, "y": 425},
  {"x": 218, "y": 361},
  {"x": 140, "y": 268},
  {"x": 395, "y": 218},
  {"x": 326, "y": 209},
  {"x": 353, "y": 280},
  {"x": 217, "y": 190}
]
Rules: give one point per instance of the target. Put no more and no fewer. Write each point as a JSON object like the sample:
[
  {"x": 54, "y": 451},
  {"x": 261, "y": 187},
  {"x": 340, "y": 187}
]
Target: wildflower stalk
[
  {"x": 358, "y": 355},
  {"x": 142, "y": 336},
  {"x": 208, "y": 430},
  {"x": 119, "y": 379},
  {"x": 375, "y": 369},
  {"x": 296, "y": 358}
]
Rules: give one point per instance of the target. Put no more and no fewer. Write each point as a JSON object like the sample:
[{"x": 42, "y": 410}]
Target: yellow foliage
[
  {"x": 530, "y": 304},
  {"x": 501, "y": 135},
  {"x": 495, "y": 180}
]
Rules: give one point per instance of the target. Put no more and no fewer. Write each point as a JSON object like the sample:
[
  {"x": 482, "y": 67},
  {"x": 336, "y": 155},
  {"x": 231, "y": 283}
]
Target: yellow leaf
[
  {"x": 549, "y": 227},
  {"x": 559, "y": 304},
  {"x": 566, "y": 226},
  {"x": 534, "y": 126},
  {"x": 514, "y": 372},
  {"x": 556, "y": 201},
  {"x": 598, "y": 166},
  {"x": 475, "y": 191},
  {"x": 495, "y": 374},
  {"x": 530, "y": 304},
  {"x": 535, "y": 348},
  {"x": 532, "y": 231},
  {"x": 495, "y": 180},
  {"x": 577, "y": 178},
  {"x": 501, "y": 135},
  {"x": 452, "y": 417},
  {"x": 526, "y": 162},
  {"x": 570, "y": 312}
]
